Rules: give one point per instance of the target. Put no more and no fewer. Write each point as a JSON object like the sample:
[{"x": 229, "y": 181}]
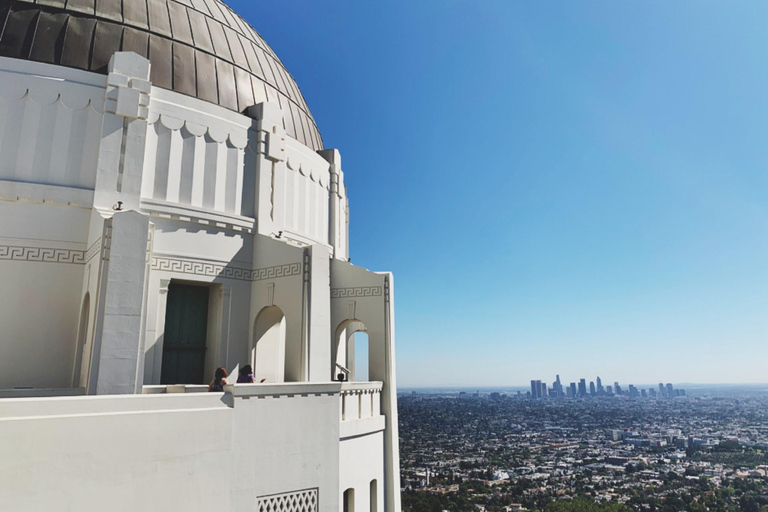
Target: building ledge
[
  {"x": 40, "y": 392},
  {"x": 197, "y": 215},
  {"x": 283, "y": 389},
  {"x": 361, "y": 427}
]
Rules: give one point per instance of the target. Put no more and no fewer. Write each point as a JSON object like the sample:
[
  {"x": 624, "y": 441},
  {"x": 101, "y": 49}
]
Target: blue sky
[{"x": 559, "y": 187}]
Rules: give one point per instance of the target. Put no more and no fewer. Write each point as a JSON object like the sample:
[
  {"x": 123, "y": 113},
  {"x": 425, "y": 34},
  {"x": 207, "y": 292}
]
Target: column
[
  {"x": 267, "y": 141},
  {"x": 121, "y": 314},
  {"x": 319, "y": 318}
]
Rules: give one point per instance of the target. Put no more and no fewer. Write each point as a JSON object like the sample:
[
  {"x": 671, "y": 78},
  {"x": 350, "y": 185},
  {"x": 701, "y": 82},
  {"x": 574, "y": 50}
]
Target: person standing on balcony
[
  {"x": 219, "y": 380},
  {"x": 246, "y": 375}
]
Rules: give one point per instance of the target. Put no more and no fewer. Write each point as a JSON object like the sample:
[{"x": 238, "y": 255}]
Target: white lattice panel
[{"x": 297, "y": 501}]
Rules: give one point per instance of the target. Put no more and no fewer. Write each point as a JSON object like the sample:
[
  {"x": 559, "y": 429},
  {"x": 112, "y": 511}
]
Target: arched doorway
[
  {"x": 82, "y": 339},
  {"x": 268, "y": 350},
  {"x": 351, "y": 352}
]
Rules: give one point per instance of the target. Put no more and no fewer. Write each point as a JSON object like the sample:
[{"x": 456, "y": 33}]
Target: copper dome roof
[{"x": 200, "y": 48}]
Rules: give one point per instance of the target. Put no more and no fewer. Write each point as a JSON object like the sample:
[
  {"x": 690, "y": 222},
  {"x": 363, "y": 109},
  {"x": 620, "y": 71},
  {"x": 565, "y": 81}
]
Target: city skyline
[{"x": 580, "y": 389}]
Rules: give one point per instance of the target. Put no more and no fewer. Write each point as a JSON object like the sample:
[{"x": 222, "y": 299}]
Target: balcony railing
[{"x": 360, "y": 400}]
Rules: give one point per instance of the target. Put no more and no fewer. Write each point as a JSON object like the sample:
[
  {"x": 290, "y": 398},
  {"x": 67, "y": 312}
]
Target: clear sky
[{"x": 559, "y": 187}]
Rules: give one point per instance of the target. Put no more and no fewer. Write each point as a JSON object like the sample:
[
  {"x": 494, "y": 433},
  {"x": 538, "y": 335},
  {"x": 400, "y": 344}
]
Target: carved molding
[
  {"x": 93, "y": 250},
  {"x": 363, "y": 291},
  {"x": 41, "y": 254},
  {"x": 217, "y": 130},
  {"x": 289, "y": 269},
  {"x": 216, "y": 270}
]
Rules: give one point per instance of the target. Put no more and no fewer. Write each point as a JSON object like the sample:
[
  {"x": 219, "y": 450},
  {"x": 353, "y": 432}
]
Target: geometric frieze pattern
[
  {"x": 364, "y": 291},
  {"x": 298, "y": 501},
  {"x": 201, "y": 268},
  {"x": 41, "y": 254},
  {"x": 289, "y": 269}
]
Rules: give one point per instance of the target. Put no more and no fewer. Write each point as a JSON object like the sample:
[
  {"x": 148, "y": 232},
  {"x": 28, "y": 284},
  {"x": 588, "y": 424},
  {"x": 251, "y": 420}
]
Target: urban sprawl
[{"x": 601, "y": 450}]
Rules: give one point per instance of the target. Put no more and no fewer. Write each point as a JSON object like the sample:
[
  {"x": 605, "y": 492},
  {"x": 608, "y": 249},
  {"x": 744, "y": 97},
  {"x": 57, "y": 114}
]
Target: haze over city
[{"x": 587, "y": 195}]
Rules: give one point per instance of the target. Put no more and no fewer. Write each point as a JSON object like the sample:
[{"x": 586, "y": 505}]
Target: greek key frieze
[
  {"x": 41, "y": 254},
  {"x": 364, "y": 291},
  {"x": 289, "y": 269},
  {"x": 217, "y": 270}
]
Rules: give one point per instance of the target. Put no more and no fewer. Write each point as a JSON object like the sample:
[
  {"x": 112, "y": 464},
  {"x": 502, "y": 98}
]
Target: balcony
[
  {"x": 359, "y": 414},
  {"x": 361, "y": 409}
]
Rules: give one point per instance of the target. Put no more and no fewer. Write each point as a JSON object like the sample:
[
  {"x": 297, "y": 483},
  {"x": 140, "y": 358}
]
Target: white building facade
[{"x": 167, "y": 207}]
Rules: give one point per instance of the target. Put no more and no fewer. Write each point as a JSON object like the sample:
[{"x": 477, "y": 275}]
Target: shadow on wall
[{"x": 268, "y": 351}]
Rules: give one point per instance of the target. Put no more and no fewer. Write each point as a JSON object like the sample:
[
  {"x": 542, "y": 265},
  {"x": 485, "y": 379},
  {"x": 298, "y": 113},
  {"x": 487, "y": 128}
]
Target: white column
[
  {"x": 123, "y": 133},
  {"x": 117, "y": 356},
  {"x": 319, "y": 331},
  {"x": 267, "y": 141},
  {"x": 119, "y": 338},
  {"x": 389, "y": 405},
  {"x": 336, "y": 209}
]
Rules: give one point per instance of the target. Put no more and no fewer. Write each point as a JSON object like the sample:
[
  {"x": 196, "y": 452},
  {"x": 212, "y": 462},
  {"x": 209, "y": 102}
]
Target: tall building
[
  {"x": 543, "y": 390},
  {"x": 670, "y": 391},
  {"x": 633, "y": 391},
  {"x": 608, "y": 390},
  {"x": 557, "y": 386},
  {"x": 592, "y": 390},
  {"x": 600, "y": 389},
  {"x": 573, "y": 389},
  {"x": 662, "y": 391},
  {"x": 169, "y": 207},
  {"x": 536, "y": 389},
  {"x": 582, "y": 387},
  {"x": 617, "y": 388}
]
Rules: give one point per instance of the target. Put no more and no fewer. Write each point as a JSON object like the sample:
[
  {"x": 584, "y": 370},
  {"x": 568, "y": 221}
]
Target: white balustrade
[{"x": 360, "y": 400}]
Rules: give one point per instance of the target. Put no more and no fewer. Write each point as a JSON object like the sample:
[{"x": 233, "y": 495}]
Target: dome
[{"x": 200, "y": 48}]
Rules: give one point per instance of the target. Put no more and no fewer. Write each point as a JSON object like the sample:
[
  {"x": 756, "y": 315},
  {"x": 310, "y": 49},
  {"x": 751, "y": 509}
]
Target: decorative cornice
[{"x": 364, "y": 291}]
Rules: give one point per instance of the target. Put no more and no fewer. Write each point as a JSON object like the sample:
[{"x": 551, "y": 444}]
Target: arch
[
  {"x": 344, "y": 348},
  {"x": 268, "y": 348},
  {"x": 82, "y": 339},
  {"x": 349, "y": 500},
  {"x": 374, "y": 496}
]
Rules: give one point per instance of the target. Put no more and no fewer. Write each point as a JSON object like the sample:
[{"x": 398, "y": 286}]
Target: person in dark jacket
[
  {"x": 246, "y": 375},
  {"x": 219, "y": 380}
]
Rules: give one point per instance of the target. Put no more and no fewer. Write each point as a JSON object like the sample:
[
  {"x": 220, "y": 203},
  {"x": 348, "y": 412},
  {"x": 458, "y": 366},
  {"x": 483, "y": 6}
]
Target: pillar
[
  {"x": 121, "y": 313},
  {"x": 389, "y": 405},
  {"x": 338, "y": 208},
  {"x": 319, "y": 317},
  {"x": 117, "y": 356},
  {"x": 267, "y": 141}
]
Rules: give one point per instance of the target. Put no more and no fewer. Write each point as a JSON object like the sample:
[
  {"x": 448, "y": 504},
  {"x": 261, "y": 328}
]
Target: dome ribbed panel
[{"x": 200, "y": 48}]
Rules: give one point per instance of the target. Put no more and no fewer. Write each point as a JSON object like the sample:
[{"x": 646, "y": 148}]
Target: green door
[{"x": 186, "y": 324}]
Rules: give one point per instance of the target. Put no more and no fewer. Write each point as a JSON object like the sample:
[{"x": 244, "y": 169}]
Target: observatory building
[{"x": 167, "y": 207}]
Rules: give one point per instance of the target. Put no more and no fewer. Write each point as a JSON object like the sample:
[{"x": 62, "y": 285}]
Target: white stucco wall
[
  {"x": 286, "y": 439},
  {"x": 191, "y": 452},
  {"x": 42, "y": 251},
  {"x": 128, "y": 453},
  {"x": 361, "y": 459}
]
